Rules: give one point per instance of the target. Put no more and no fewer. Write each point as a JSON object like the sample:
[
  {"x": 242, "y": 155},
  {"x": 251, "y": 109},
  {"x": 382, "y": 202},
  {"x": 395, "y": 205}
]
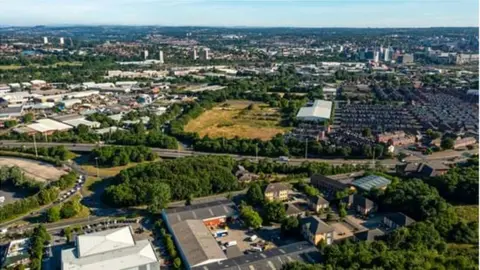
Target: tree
[
  {"x": 367, "y": 132},
  {"x": 290, "y": 226},
  {"x": 177, "y": 263},
  {"x": 342, "y": 212},
  {"x": 159, "y": 197},
  {"x": 274, "y": 211},
  {"x": 255, "y": 194},
  {"x": 447, "y": 143},
  {"x": 67, "y": 232},
  {"x": 251, "y": 218},
  {"x": 188, "y": 200},
  {"x": 53, "y": 214},
  {"x": 28, "y": 118}
]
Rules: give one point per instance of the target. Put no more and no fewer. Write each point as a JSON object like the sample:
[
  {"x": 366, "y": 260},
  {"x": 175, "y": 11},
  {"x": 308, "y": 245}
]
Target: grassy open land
[
  {"x": 10, "y": 67},
  {"x": 109, "y": 171},
  {"x": 59, "y": 64},
  {"x": 467, "y": 213},
  {"x": 105, "y": 172},
  {"x": 245, "y": 119}
]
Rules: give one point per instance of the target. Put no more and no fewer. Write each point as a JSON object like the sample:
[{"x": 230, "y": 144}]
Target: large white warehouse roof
[{"x": 320, "y": 110}]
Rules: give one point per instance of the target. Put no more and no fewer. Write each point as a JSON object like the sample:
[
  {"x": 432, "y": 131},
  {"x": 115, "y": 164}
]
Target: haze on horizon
[{"x": 301, "y": 13}]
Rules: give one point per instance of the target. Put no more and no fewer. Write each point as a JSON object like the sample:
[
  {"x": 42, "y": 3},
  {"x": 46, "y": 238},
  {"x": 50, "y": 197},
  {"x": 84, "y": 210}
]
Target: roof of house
[
  {"x": 276, "y": 187},
  {"x": 291, "y": 209},
  {"x": 400, "y": 219},
  {"x": 202, "y": 211},
  {"x": 318, "y": 200},
  {"x": 356, "y": 199},
  {"x": 425, "y": 169},
  {"x": 369, "y": 235},
  {"x": 315, "y": 225},
  {"x": 110, "y": 249},
  {"x": 319, "y": 109},
  {"x": 371, "y": 181},
  {"x": 268, "y": 259},
  {"x": 196, "y": 242}
]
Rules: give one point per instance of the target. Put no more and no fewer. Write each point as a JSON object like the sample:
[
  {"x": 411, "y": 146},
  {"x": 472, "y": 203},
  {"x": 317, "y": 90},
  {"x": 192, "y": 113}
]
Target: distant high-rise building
[
  {"x": 160, "y": 57},
  {"x": 145, "y": 54},
  {"x": 206, "y": 54},
  {"x": 376, "y": 57},
  {"x": 340, "y": 49},
  {"x": 406, "y": 58},
  {"x": 388, "y": 54},
  {"x": 62, "y": 41},
  {"x": 381, "y": 50},
  {"x": 45, "y": 40},
  {"x": 361, "y": 55},
  {"x": 195, "y": 53}
]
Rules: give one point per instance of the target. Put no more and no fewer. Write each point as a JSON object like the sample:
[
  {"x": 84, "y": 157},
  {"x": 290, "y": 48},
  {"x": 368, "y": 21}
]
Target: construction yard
[{"x": 245, "y": 119}]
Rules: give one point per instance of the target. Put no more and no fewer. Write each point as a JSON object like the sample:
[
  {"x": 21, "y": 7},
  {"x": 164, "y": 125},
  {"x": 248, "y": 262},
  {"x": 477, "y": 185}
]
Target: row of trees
[
  {"x": 66, "y": 181},
  {"x": 169, "y": 244},
  {"x": 57, "y": 152},
  {"x": 306, "y": 168},
  {"x": 121, "y": 155},
  {"x": 39, "y": 238},
  {"x": 154, "y": 184}
]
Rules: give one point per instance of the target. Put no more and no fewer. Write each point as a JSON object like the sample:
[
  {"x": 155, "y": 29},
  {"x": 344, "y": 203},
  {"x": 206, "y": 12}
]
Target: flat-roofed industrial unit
[
  {"x": 269, "y": 259},
  {"x": 113, "y": 249},
  {"x": 48, "y": 125},
  {"x": 196, "y": 243},
  {"x": 202, "y": 211},
  {"x": 319, "y": 111},
  {"x": 371, "y": 181}
]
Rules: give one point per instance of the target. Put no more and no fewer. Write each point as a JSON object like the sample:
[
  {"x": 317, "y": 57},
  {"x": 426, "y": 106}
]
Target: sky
[{"x": 263, "y": 13}]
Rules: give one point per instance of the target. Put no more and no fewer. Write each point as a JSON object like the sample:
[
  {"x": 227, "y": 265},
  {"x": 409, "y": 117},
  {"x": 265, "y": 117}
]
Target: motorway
[{"x": 170, "y": 153}]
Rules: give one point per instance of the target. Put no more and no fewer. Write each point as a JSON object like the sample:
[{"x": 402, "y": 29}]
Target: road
[{"x": 170, "y": 153}]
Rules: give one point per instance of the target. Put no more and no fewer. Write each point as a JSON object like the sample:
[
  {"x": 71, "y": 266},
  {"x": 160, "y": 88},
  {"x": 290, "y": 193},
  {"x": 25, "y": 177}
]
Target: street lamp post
[{"x": 96, "y": 163}]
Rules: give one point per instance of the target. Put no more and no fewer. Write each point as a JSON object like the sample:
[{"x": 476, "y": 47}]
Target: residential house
[
  {"x": 293, "y": 210},
  {"x": 397, "y": 220},
  {"x": 318, "y": 203},
  {"x": 360, "y": 204},
  {"x": 315, "y": 230},
  {"x": 276, "y": 191},
  {"x": 413, "y": 169}
]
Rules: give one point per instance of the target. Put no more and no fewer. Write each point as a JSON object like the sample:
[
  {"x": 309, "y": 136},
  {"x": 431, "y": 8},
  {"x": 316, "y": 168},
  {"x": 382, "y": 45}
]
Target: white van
[{"x": 231, "y": 244}]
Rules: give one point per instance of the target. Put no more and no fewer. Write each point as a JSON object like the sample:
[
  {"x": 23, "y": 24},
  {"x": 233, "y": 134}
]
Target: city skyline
[{"x": 244, "y": 13}]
